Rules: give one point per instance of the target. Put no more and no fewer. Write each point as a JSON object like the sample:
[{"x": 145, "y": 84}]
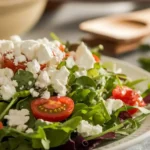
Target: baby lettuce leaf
[
  {"x": 23, "y": 78},
  {"x": 96, "y": 114},
  {"x": 60, "y": 135},
  {"x": 46, "y": 136}
]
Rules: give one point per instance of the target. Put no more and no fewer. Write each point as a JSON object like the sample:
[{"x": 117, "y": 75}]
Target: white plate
[{"x": 144, "y": 131}]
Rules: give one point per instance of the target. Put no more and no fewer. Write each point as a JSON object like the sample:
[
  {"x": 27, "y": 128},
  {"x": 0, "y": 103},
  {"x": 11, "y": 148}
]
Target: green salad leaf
[{"x": 23, "y": 78}]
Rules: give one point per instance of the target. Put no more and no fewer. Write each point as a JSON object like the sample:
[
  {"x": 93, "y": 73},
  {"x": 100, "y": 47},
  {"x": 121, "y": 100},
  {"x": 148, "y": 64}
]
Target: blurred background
[{"x": 33, "y": 19}]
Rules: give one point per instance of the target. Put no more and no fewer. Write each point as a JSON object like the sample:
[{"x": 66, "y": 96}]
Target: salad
[{"x": 53, "y": 98}]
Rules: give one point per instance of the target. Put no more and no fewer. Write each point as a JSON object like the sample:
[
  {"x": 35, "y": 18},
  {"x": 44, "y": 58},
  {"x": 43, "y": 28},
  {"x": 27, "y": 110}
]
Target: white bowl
[{"x": 18, "y": 16}]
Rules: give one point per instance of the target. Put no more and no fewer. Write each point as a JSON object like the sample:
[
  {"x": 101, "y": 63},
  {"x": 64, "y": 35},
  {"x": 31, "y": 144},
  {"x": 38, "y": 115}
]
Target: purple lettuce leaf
[
  {"x": 124, "y": 115},
  {"x": 147, "y": 99},
  {"x": 79, "y": 143}
]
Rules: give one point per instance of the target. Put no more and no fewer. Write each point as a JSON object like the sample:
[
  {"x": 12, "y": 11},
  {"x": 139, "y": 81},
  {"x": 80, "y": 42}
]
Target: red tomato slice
[
  {"x": 128, "y": 96},
  {"x": 54, "y": 109},
  {"x": 97, "y": 59},
  {"x": 1, "y": 125},
  {"x": 9, "y": 63}
]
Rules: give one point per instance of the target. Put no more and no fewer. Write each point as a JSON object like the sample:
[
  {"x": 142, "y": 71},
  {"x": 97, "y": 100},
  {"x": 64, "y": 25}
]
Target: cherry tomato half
[
  {"x": 1, "y": 125},
  {"x": 129, "y": 97},
  {"x": 54, "y": 109},
  {"x": 97, "y": 59}
]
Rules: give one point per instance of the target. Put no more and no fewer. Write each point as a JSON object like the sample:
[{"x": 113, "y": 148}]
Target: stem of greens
[
  {"x": 13, "y": 101},
  {"x": 107, "y": 131},
  {"x": 8, "y": 107}
]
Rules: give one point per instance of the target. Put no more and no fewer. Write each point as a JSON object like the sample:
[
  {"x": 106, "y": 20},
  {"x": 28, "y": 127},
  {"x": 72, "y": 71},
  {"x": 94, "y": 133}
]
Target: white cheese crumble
[
  {"x": 29, "y": 130},
  {"x": 59, "y": 79},
  {"x": 6, "y": 72},
  {"x": 34, "y": 93},
  {"x": 15, "y": 38},
  {"x": 86, "y": 129},
  {"x": 6, "y": 46},
  {"x": 113, "y": 104},
  {"x": 18, "y": 118},
  {"x": 33, "y": 66},
  {"x": 84, "y": 58},
  {"x": 81, "y": 72},
  {"x": 46, "y": 95},
  {"x": 44, "y": 54},
  {"x": 28, "y": 48},
  {"x": 7, "y": 91},
  {"x": 9, "y": 56},
  {"x": 70, "y": 62},
  {"x": 18, "y": 59},
  {"x": 43, "y": 79}
]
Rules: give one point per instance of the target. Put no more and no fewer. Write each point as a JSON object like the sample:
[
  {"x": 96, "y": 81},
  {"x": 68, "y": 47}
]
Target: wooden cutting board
[{"x": 121, "y": 28}]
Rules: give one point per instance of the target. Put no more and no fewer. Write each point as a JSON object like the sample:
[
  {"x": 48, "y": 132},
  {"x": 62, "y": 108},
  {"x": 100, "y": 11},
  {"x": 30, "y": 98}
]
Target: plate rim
[{"x": 145, "y": 135}]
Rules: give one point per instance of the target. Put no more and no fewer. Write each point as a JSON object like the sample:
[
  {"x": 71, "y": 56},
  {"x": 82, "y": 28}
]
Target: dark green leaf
[{"x": 23, "y": 77}]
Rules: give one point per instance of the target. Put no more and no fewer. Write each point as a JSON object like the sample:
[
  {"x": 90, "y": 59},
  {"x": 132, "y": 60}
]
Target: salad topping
[{"x": 52, "y": 98}]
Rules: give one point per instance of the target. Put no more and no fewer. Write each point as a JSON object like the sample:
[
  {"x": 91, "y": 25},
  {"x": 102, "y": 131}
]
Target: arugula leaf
[
  {"x": 132, "y": 84},
  {"x": 23, "y": 77},
  {"x": 145, "y": 63}
]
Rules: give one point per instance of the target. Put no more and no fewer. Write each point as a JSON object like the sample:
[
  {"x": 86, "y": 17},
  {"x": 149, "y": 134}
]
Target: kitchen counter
[{"x": 64, "y": 22}]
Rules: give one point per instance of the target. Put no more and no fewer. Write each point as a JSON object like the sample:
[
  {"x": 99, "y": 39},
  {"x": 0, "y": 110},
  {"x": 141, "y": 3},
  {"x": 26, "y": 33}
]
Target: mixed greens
[{"x": 92, "y": 103}]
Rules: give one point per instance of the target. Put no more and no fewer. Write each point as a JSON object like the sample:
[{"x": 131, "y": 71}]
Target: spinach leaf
[
  {"x": 23, "y": 77},
  {"x": 85, "y": 81}
]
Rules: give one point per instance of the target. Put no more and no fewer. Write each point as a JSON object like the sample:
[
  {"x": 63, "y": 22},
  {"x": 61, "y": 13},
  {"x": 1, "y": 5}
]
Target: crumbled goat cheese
[
  {"x": 44, "y": 54},
  {"x": 46, "y": 95},
  {"x": 15, "y": 38},
  {"x": 9, "y": 56},
  {"x": 59, "y": 88},
  {"x": 43, "y": 79},
  {"x": 70, "y": 62},
  {"x": 7, "y": 91},
  {"x": 20, "y": 58},
  {"x": 59, "y": 80},
  {"x": 34, "y": 93},
  {"x": 6, "y": 72},
  {"x": 28, "y": 48},
  {"x": 47, "y": 122},
  {"x": 18, "y": 118},
  {"x": 113, "y": 104},
  {"x": 81, "y": 72},
  {"x": 86, "y": 129},
  {"x": 6, "y": 46},
  {"x": 30, "y": 83},
  {"x": 84, "y": 58},
  {"x": 29, "y": 130},
  {"x": 33, "y": 66}
]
